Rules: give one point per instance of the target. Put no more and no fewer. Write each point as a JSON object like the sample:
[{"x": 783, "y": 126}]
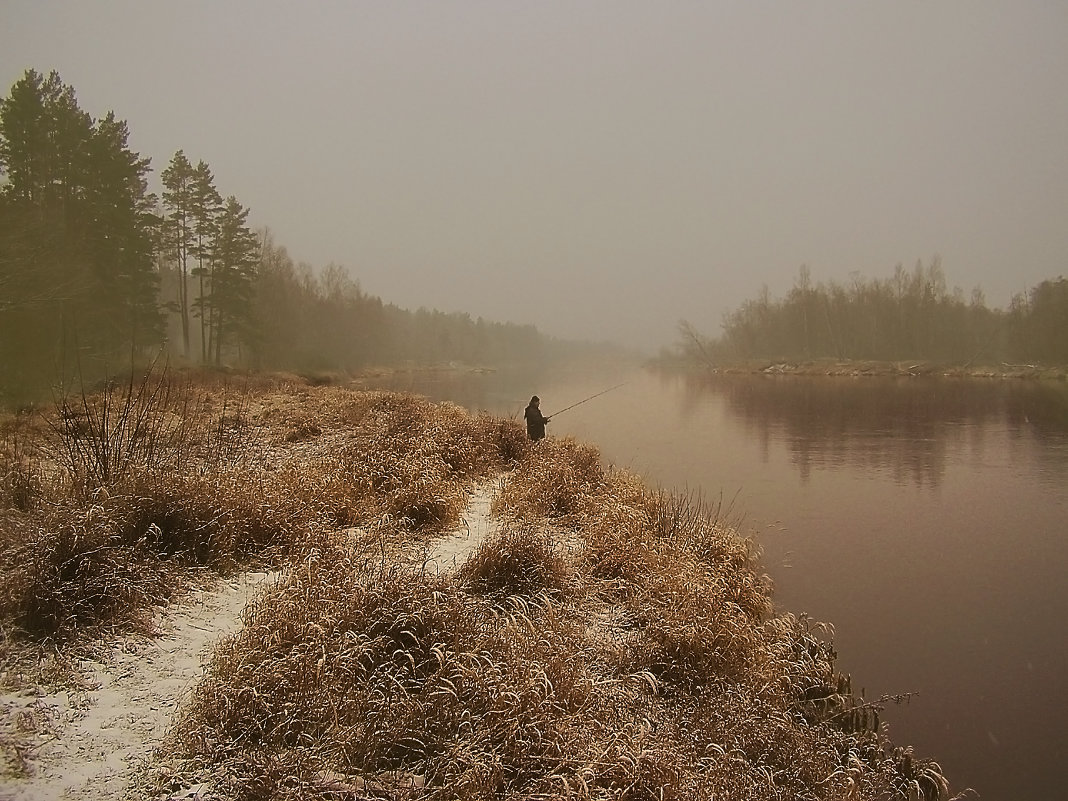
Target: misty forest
[
  {"x": 96, "y": 270},
  {"x": 909, "y": 316}
]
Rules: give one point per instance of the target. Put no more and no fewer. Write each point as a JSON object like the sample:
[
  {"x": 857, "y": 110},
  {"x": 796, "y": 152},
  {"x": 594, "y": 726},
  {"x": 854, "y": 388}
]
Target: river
[{"x": 924, "y": 518}]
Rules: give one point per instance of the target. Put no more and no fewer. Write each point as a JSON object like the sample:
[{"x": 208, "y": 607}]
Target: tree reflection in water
[{"x": 903, "y": 428}]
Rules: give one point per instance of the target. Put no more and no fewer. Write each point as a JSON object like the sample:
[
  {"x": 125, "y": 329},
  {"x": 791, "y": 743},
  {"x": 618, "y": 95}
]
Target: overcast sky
[{"x": 598, "y": 169}]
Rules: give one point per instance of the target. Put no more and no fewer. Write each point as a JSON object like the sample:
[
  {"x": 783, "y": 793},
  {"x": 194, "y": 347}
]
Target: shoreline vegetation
[
  {"x": 909, "y": 322},
  {"x": 863, "y": 367},
  {"x": 605, "y": 640}
]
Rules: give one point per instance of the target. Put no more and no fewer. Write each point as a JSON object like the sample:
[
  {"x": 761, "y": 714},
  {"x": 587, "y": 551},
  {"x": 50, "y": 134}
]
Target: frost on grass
[{"x": 435, "y": 632}]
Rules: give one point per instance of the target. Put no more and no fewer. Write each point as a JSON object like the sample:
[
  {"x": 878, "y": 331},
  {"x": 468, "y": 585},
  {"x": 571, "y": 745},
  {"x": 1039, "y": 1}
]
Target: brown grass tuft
[
  {"x": 518, "y": 561},
  {"x": 556, "y": 479}
]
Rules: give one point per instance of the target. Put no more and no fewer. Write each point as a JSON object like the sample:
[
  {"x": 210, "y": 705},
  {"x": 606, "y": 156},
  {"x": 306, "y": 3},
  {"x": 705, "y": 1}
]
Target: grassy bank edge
[{"x": 688, "y": 614}]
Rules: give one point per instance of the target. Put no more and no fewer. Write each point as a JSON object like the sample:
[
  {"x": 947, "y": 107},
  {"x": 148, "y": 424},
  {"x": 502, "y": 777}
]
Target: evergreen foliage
[
  {"x": 76, "y": 236},
  {"x": 233, "y": 269},
  {"x": 97, "y": 273}
]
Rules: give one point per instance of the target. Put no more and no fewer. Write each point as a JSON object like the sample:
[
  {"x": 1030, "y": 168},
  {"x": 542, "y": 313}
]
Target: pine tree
[
  {"x": 179, "y": 242},
  {"x": 75, "y": 241},
  {"x": 120, "y": 239},
  {"x": 236, "y": 255},
  {"x": 206, "y": 209},
  {"x": 42, "y": 134}
]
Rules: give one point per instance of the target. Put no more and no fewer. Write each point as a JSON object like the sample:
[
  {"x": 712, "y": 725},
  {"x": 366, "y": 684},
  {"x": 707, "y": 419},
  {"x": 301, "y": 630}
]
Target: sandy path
[{"x": 95, "y": 741}]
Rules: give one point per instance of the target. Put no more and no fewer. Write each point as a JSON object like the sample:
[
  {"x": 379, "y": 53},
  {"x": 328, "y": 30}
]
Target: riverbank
[
  {"x": 857, "y": 368},
  {"x": 602, "y": 638}
]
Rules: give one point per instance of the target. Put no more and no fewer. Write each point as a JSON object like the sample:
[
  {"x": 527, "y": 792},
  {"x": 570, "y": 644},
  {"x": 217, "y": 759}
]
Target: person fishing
[{"x": 535, "y": 420}]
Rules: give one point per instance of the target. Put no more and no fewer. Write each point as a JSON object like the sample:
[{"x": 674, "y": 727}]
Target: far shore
[{"x": 855, "y": 368}]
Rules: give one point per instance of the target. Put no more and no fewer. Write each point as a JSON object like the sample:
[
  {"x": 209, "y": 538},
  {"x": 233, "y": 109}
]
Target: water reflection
[
  {"x": 1042, "y": 405},
  {"x": 901, "y": 428}
]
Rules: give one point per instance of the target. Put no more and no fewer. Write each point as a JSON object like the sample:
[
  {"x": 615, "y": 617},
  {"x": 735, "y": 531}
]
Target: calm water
[{"x": 926, "y": 519}]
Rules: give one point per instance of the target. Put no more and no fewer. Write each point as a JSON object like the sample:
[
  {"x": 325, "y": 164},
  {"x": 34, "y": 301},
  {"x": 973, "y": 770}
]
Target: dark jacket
[{"x": 535, "y": 422}]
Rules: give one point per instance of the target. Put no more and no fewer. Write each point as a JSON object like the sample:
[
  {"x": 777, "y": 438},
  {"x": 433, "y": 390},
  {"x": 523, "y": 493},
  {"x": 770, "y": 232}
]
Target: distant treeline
[
  {"x": 325, "y": 322},
  {"x": 910, "y": 315},
  {"x": 97, "y": 272}
]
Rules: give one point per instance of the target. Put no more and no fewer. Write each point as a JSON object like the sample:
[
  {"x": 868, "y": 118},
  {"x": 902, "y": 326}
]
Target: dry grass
[
  {"x": 557, "y": 479},
  {"x": 644, "y": 661},
  {"x": 518, "y": 561},
  {"x": 108, "y": 498},
  {"x": 610, "y": 642}
]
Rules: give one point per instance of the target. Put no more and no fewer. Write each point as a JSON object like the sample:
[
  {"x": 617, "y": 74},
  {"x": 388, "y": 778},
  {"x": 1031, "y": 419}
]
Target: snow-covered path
[
  {"x": 95, "y": 740},
  {"x": 99, "y": 736},
  {"x": 454, "y": 548}
]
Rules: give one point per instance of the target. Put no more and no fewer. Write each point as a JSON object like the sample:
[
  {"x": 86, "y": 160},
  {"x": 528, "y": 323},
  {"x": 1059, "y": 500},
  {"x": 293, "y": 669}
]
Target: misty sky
[{"x": 599, "y": 169}]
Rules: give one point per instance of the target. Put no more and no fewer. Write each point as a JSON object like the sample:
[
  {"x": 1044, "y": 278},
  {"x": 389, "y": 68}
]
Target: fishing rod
[{"x": 599, "y": 394}]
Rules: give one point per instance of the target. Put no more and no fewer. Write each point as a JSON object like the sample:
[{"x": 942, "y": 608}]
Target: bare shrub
[{"x": 149, "y": 422}]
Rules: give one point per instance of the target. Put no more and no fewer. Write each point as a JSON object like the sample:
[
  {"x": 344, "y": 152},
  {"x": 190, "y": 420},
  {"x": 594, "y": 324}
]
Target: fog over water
[{"x": 598, "y": 169}]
